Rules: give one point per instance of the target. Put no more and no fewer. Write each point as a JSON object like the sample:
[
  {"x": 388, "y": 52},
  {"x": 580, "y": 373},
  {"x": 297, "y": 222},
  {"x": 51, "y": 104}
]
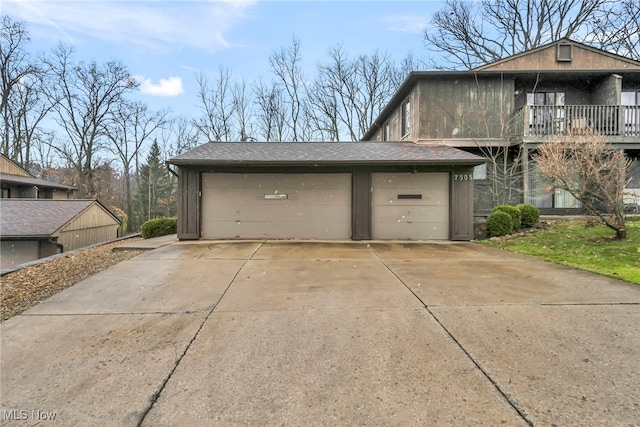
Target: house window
[
  {"x": 546, "y": 113},
  {"x": 542, "y": 195},
  {"x": 406, "y": 118},
  {"x": 385, "y": 131},
  {"x": 564, "y": 52},
  {"x": 631, "y": 102}
]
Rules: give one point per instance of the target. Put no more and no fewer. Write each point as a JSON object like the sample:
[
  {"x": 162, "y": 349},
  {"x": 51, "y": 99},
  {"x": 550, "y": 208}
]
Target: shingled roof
[
  {"x": 37, "y": 217},
  {"x": 323, "y": 153},
  {"x": 26, "y": 180}
]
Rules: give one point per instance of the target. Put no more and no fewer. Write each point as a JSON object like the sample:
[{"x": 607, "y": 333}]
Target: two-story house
[
  {"x": 17, "y": 183},
  {"x": 505, "y": 109}
]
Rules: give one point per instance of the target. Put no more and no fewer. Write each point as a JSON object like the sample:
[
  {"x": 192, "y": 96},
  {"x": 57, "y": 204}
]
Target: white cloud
[
  {"x": 407, "y": 24},
  {"x": 154, "y": 25},
  {"x": 171, "y": 86}
]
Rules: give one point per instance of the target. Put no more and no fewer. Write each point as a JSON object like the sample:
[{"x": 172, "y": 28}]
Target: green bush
[
  {"x": 530, "y": 214},
  {"x": 159, "y": 227},
  {"x": 499, "y": 223},
  {"x": 513, "y": 212}
]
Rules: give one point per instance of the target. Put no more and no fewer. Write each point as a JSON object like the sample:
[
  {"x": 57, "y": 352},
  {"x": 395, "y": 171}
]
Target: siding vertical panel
[
  {"x": 188, "y": 204},
  {"x": 361, "y": 205},
  {"x": 461, "y": 204}
]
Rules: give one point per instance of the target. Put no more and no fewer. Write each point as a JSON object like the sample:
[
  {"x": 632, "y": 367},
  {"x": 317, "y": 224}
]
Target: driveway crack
[
  {"x": 496, "y": 386},
  {"x": 158, "y": 393}
]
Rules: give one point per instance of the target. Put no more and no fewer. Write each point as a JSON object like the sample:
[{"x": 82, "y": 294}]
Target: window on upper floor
[
  {"x": 385, "y": 131},
  {"x": 630, "y": 98},
  {"x": 406, "y": 118},
  {"x": 545, "y": 98},
  {"x": 546, "y": 115},
  {"x": 631, "y": 101}
]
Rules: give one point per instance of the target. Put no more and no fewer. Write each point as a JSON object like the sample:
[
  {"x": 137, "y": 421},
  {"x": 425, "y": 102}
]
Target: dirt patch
[{"x": 29, "y": 286}]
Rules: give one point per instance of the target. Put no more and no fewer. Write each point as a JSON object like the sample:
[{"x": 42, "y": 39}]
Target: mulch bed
[{"x": 29, "y": 286}]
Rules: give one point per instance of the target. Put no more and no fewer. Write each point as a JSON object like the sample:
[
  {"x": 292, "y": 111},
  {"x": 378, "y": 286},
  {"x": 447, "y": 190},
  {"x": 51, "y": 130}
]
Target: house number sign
[{"x": 463, "y": 177}]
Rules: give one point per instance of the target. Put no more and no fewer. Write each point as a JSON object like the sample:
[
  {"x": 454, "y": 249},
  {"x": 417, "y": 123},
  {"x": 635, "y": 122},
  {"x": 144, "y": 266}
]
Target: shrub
[
  {"x": 530, "y": 214},
  {"x": 499, "y": 223},
  {"x": 159, "y": 227},
  {"x": 513, "y": 212}
]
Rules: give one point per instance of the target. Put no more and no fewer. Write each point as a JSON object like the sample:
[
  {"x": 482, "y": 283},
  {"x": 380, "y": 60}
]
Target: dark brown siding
[
  {"x": 466, "y": 108},
  {"x": 461, "y": 204},
  {"x": 361, "y": 209},
  {"x": 188, "y": 204}
]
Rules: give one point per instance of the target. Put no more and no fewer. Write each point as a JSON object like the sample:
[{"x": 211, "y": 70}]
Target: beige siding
[
  {"x": 410, "y": 219},
  {"x": 545, "y": 60},
  {"x": 79, "y": 238},
  {"x": 8, "y": 167},
  {"x": 61, "y": 195},
  {"x": 246, "y": 206},
  {"x": 93, "y": 225}
]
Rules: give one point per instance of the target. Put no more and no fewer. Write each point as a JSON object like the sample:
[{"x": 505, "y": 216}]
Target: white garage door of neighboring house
[
  {"x": 411, "y": 206},
  {"x": 279, "y": 206}
]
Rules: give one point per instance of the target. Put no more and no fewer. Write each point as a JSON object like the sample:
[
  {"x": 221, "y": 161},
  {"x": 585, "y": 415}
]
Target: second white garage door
[
  {"x": 278, "y": 206},
  {"x": 410, "y": 206}
]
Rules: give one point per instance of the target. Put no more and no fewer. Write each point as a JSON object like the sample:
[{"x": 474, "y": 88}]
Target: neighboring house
[
  {"x": 35, "y": 228},
  {"x": 16, "y": 182},
  {"x": 512, "y": 106},
  {"x": 323, "y": 190}
]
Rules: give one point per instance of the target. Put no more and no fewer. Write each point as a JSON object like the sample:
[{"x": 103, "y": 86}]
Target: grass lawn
[{"x": 588, "y": 248}]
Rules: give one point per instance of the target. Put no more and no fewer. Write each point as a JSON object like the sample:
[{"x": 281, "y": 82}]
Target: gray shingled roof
[
  {"x": 37, "y": 217},
  {"x": 325, "y": 153},
  {"x": 25, "y": 180}
]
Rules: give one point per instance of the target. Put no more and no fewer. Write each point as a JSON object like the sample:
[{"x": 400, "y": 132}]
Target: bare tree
[
  {"x": 84, "y": 95},
  {"x": 618, "y": 29},
  {"x": 22, "y": 103},
  {"x": 350, "y": 93},
  {"x": 271, "y": 112},
  {"x": 286, "y": 65},
  {"x": 129, "y": 126},
  {"x": 216, "y": 103},
  {"x": 243, "y": 110},
  {"x": 323, "y": 110},
  {"x": 475, "y": 33},
  {"x": 178, "y": 136},
  {"x": 591, "y": 171}
]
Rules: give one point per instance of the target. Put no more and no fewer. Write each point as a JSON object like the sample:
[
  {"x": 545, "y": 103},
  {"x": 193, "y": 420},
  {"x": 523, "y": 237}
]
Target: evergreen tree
[{"x": 154, "y": 192}]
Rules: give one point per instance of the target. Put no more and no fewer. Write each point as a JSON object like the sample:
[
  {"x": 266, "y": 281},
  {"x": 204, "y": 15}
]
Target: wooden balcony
[{"x": 621, "y": 123}]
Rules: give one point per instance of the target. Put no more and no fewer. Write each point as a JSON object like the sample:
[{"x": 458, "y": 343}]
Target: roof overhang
[
  {"x": 314, "y": 154},
  {"x": 28, "y": 181}
]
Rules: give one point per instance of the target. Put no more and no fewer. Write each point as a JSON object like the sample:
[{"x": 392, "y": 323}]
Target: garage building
[{"x": 320, "y": 190}]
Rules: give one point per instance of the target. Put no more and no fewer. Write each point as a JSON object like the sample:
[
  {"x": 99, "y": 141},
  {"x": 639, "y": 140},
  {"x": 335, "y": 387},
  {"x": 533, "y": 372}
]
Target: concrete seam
[
  {"x": 156, "y": 395},
  {"x": 475, "y": 363}
]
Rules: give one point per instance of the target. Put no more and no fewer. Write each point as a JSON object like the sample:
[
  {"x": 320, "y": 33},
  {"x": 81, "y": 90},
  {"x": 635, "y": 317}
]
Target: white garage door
[
  {"x": 410, "y": 206},
  {"x": 279, "y": 206}
]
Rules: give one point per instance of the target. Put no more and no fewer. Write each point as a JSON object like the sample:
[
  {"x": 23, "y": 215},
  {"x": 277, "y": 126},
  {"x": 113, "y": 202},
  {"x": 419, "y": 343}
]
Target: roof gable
[
  {"x": 40, "y": 217},
  {"x": 545, "y": 58},
  {"x": 8, "y": 166}
]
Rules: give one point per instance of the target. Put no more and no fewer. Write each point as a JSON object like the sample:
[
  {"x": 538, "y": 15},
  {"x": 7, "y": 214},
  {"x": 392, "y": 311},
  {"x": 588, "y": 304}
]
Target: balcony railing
[{"x": 609, "y": 120}]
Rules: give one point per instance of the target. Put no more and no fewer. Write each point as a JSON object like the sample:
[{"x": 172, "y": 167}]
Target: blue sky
[{"x": 166, "y": 43}]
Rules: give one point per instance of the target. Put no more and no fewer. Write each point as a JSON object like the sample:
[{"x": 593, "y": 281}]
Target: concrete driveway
[{"x": 312, "y": 333}]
